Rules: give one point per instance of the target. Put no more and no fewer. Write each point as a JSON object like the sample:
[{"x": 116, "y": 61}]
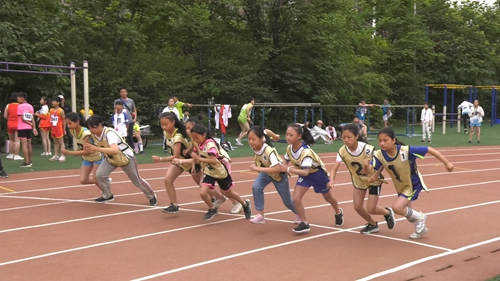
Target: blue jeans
[{"x": 262, "y": 180}]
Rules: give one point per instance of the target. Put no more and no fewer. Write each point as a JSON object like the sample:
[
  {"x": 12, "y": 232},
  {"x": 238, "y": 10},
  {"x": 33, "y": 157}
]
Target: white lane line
[
  {"x": 429, "y": 258},
  {"x": 322, "y": 155}
]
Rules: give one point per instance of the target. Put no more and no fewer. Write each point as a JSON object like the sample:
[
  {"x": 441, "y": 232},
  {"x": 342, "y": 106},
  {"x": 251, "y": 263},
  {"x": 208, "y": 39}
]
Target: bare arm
[{"x": 449, "y": 166}]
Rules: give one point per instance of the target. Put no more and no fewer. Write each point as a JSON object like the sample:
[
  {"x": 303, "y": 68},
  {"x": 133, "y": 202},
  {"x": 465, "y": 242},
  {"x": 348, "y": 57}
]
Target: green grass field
[{"x": 489, "y": 136}]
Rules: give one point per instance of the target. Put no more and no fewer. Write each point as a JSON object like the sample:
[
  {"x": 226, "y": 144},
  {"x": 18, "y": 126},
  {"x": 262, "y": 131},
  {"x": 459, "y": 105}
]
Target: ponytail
[
  {"x": 304, "y": 132},
  {"x": 259, "y": 132}
]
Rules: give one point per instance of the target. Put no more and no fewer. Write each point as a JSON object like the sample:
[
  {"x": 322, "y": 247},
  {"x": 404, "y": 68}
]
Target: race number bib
[
  {"x": 54, "y": 119},
  {"x": 28, "y": 116}
]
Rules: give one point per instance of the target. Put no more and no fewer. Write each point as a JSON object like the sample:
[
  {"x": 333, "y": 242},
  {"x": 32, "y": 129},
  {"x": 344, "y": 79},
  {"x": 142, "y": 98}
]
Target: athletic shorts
[
  {"x": 56, "y": 132},
  {"x": 318, "y": 180},
  {"x": 197, "y": 168},
  {"x": 225, "y": 184},
  {"x": 25, "y": 134},
  {"x": 46, "y": 129},
  {"x": 12, "y": 130},
  {"x": 86, "y": 163},
  {"x": 416, "y": 191},
  {"x": 242, "y": 120}
]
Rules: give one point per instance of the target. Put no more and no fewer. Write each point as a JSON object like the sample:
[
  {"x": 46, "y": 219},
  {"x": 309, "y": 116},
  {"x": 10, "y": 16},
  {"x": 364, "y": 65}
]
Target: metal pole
[
  {"x": 452, "y": 106},
  {"x": 408, "y": 122},
  {"x": 433, "y": 118},
  {"x": 459, "y": 116},
  {"x": 368, "y": 121},
  {"x": 470, "y": 93},
  {"x": 209, "y": 113},
  {"x": 493, "y": 111},
  {"x": 321, "y": 113},
  {"x": 413, "y": 122},
  {"x": 253, "y": 115},
  {"x": 475, "y": 94},
  {"x": 305, "y": 115},
  {"x": 426, "y": 93},
  {"x": 444, "y": 108},
  {"x": 86, "y": 88},
  {"x": 263, "y": 117},
  {"x": 295, "y": 110}
]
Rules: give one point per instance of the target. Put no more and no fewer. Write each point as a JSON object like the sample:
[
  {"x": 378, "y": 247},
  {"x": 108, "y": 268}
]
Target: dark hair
[
  {"x": 119, "y": 102},
  {"x": 390, "y": 132},
  {"x": 426, "y": 103},
  {"x": 202, "y": 130},
  {"x": 58, "y": 99},
  {"x": 22, "y": 95},
  {"x": 175, "y": 96},
  {"x": 13, "y": 97},
  {"x": 94, "y": 121},
  {"x": 122, "y": 88},
  {"x": 76, "y": 117},
  {"x": 250, "y": 100},
  {"x": 259, "y": 132},
  {"x": 46, "y": 99},
  {"x": 200, "y": 117},
  {"x": 193, "y": 120},
  {"x": 181, "y": 128},
  {"x": 304, "y": 132},
  {"x": 353, "y": 128}
]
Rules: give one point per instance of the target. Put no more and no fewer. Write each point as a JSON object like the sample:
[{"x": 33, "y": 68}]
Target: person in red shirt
[
  {"x": 10, "y": 114},
  {"x": 57, "y": 128}
]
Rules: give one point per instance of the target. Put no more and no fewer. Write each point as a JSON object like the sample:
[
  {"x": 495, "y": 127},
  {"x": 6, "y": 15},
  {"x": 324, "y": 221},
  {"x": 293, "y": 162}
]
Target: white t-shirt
[
  {"x": 272, "y": 158},
  {"x": 44, "y": 109},
  {"x": 307, "y": 162},
  {"x": 120, "y": 121},
  {"x": 358, "y": 151},
  {"x": 115, "y": 139},
  {"x": 173, "y": 110},
  {"x": 466, "y": 107}
]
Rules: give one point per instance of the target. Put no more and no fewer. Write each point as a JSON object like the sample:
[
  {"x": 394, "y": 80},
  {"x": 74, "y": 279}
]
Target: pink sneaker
[
  {"x": 258, "y": 219},
  {"x": 297, "y": 220}
]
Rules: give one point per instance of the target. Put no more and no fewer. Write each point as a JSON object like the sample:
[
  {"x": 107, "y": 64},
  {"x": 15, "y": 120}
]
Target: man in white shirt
[
  {"x": 171, "y": 108},
  {"x": 426, "y": 121},
  {"x": 466, "y": 108}
]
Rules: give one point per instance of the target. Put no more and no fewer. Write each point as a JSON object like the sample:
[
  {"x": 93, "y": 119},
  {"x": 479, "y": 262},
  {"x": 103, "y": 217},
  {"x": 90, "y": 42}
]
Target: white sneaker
[
  {"x": 418, "y": 235},
  {"x": 17, "y": 157},
  {"x": 237, "y": 207},
  {"x": 54, "y": 158},
  {"x": 238, "y": 142},
  {"x": 62, "y": 158},
  {"x": 10, "y": 156},
  {"x": 420, "y": 224},
  {"x": 48, "y": 153},
  {"x": 43, "y": 153}
]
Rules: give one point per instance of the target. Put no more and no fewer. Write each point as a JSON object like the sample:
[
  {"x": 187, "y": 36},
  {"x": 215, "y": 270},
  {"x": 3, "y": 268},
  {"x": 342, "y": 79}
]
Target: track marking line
[
  {"x": 429, "y": 258},
  {"x": 6, "y": 189}
]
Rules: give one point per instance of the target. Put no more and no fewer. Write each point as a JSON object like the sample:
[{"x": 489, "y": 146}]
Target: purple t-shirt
[{"x": 24, "y": 110}]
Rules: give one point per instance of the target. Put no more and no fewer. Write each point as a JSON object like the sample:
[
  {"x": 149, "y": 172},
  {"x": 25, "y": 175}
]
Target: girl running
[
  {"x": 356, "y": 154},
  {"x": 57, "y": 128},
  {"x": 400, "y": 162},
  {"x": 118, "y": 154},
  {"x": 176, "y": 136},
  {"x": 92, "y": 160},
  {"x": 44, "y": 125},
  {"x": 268, "y": 164},
  {"x": 311, "y": 171},
  {"x": 216, "y": 168},
  {"x": 10, "y": 114}
]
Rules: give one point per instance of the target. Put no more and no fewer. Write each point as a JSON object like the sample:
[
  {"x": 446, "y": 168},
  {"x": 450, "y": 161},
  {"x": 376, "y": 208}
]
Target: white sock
[
  {"x": 412, "y": 215},
  {"x": 140, "y": 146}
]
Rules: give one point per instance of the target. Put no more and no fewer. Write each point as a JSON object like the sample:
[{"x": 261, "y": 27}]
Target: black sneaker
[
  {"x": 422, "y": 141},
  {"x": 172, "y": 209},
  {"x": 153, "y": 201},
  {"x": 301, "y": 228},
  {"x": 210, "y": 214},
  {"x": 465, "y": 131},
  {"x": 469, "y": 141},
  {"x": 478, "y": 141},
  {"x": 247, "y": 209},
  {"x": 212, "y": 199},
  {"x": 339, "y": 219},
  {"x": 429, "y": 141},
  {"x": 3, "y": 174},
  {"x": 25, "y": 165},
  {"x": 369, "y": 228},
  {"x": 390, "y": 219},
  {"x": 104, "y": 200}
]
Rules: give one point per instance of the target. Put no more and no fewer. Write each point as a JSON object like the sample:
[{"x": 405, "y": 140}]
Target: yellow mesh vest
[
  {"x": 306, "y": 152},
  {"x": 354, "y": 164},
  {"x": 264, "y": 161},
  {"x": 79, "y": 137},
  {"x": 118, "y": 160}
]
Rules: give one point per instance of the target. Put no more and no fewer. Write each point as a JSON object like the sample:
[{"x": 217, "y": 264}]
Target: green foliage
[{"x": 325, "y": 51}]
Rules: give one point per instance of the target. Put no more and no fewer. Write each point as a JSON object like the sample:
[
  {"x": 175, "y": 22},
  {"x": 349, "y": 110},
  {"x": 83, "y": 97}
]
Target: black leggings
[{"x": 466, "y": 121}]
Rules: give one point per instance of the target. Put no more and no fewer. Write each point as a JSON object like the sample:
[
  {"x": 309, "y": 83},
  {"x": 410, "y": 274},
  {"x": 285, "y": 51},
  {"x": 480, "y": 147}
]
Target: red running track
[{"x": 50, "y": 229}]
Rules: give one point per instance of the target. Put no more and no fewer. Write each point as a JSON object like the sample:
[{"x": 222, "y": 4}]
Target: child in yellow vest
[
  {"x": 400, "y": 162},
  {"x": 175, "y": 136},
  {"x": 117, "y": 154},
  {"x": 268, "y": 163},
  {"x": 311, "y": 171},
  {"x": 356, "y": 154}
]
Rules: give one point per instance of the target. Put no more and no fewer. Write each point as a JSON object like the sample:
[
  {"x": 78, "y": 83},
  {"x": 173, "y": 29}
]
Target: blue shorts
[
  {"x": 318, "y": 180},
  {"x": 416, "y": 191},
  {"x": 86, "y": 163},
  {"x": 475, "y": 123}
]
